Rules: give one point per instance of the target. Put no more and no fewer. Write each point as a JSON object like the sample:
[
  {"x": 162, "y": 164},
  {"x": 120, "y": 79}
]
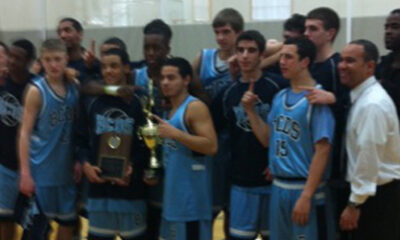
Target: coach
[{"x": 372, "y": 144}]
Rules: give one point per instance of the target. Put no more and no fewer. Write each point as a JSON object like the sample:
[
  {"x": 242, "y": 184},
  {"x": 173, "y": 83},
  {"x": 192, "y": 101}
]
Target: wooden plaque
[{"x": 114, "y": 154}]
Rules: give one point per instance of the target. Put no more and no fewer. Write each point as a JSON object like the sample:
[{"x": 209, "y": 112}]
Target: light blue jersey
[
  {"x": 51, "y": 142},
  {"x": 213, "y": 73},
  {"x": 187, "y": 195},
  {"x": 296, "y": 126}
]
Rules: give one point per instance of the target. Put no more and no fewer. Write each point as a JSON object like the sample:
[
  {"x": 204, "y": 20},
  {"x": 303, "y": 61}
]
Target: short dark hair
[
  {"x": 305, "y": 48},
  {"x": 116, "y": 41},
  {"x": 229, "y": 16},
  {"x": 328, "y": 16},
  {"x": 371, "y": 52},
  {"x": 252, "y": 35},
  {"x": 121, "y": 53},
  {"x": 159, "y": 27},
  {"x": 27, "y": 46},
  {"x": 295, "y": 23},
  {"x": 2, "y": 44},
  {"x": 395, "y": 11},
  {"x": 184, "y": 67},
  {"x": 75, "y": 23}
]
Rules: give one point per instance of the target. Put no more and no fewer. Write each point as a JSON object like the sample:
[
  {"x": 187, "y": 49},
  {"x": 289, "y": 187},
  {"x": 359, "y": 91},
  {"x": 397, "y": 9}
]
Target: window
[{"x": 270, "y": 9}]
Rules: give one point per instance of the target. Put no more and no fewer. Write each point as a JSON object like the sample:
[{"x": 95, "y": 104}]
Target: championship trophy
[
  {"x": 149, "y": 133},
  {"x": 114, "y": 155}
]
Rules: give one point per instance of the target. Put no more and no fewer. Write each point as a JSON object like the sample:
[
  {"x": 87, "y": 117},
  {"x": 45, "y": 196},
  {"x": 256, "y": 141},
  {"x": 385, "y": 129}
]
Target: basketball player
[
  {"x": 115, "y": 207},
  {"x": 212, "y": 74},
  {"x": 21, "y": 55},
  {"x": 299, "y": 136},
  {"x": 249, "y": 195},
  {"x": 45, "y": 142},
  {"x": 188, "y": 133}
]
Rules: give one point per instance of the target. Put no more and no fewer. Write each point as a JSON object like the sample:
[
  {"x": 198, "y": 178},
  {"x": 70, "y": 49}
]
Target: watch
[{"x": 354, "y": 205}]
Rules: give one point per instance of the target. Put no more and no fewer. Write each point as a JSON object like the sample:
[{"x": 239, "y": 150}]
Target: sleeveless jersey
[
  {"x": 51, "y": 142},
  {"x": 187, "y": 195},
  {"x": 142, "y": 80},
  {"x": 213, "y": 79}
]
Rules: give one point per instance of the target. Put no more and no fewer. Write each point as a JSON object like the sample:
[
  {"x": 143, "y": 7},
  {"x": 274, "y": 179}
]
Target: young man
[
  {"x": 70, "y": 31},
  {"x": 212, "y": 74},
  {"x": 210, "y": 66},
  {"x": 250, "y": 190},
  {"x": 299, "y": 136},
  {"x": 322, "y": 27},
  {"x": 21, "y": 55},
  {"x": 45, "y": 142},
  {"x": 115, "y": 207},
  {"x": 388, "y": 70},
  {"x": 188, "y": 134},
  {"x": 156, "y": 48},
  {"x": 293, "y": 27},
  {"x": 372, "y": 144}
]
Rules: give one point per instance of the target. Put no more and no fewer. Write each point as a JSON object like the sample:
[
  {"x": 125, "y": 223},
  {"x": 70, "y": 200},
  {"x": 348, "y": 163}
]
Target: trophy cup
[
  {"x": 149, "y": 133},
  {"x": 114, "y": 155}
]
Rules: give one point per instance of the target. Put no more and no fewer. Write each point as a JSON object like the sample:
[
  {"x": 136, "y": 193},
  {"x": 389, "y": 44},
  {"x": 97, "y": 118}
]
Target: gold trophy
[{"x": 149, "y": 133}]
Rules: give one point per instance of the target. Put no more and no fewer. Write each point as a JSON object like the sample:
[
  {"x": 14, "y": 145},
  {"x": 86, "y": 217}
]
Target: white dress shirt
[{"x": 372, "y": 140}]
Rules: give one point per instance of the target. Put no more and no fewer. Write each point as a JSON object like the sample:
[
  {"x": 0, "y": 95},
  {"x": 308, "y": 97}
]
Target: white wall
[{"x": 361, "y": 8}]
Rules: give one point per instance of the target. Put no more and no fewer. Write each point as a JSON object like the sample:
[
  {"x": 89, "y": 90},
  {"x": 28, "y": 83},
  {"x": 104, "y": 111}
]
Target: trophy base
[{"x": 151, "y": 174}]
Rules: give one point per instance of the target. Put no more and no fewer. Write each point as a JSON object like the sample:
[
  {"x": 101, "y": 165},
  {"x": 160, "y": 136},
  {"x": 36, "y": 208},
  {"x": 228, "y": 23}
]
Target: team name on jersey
[
  {"x": 114, "y": 120},
  {"x": 61, "y": 115},
  {"x": 242, "y": 121},
  {"x": 288, "y": 126},
  {"x": 10, "y": 110}
]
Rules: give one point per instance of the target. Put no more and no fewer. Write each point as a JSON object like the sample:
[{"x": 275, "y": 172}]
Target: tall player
[
  {"x": 212, "y": 74},
  {"x": 250, "y": 190},
  {"x": 45, "y": 142},
  {"x": 21, "y": 55},
  {"x": 299, "y": 136},
  {"x": 188, "y": 133},
  {"x": 156, "y": 48}
]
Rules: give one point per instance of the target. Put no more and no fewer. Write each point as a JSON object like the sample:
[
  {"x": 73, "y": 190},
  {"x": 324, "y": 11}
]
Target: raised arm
[
  {"x": 259, "y": 127},
  {"x": 32, "y": 105}
]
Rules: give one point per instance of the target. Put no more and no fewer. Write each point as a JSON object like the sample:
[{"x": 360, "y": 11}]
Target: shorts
[
  {"x": 108, "y": 224},
  {"x": 58, "y": 203},
  {"x": 191, "y": 230},
  {"x": 283, "y": 199},
  {"x": 249, "y": 211},
  {"x": 8, "y": 192}
]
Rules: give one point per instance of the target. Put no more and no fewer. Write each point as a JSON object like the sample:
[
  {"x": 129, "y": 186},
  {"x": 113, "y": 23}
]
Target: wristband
[{"x": 111, "y": 90}]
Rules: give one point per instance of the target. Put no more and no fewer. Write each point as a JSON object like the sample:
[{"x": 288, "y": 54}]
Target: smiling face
[
  {"x": 113, "y": 70},
  {"x": 353, "y": 67},
  {"x": 392, "y": 32},
  {"x": 70, "y": 36}
]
